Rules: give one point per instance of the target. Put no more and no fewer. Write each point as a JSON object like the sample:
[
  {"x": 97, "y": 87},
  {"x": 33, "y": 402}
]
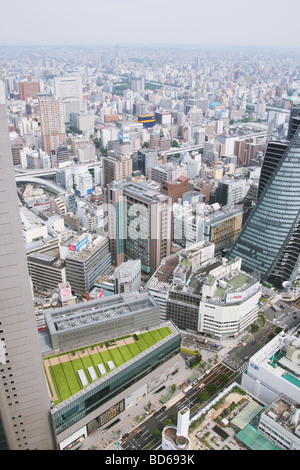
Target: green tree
[
  {"x": 223, "y": 379},
  {"x": 202, "y": 396},
  {"x": 167, "y": 422},
  {"x": 212, "y": 388},
  {"x": 157, "y": 434},
  {"x": 174, "y": 418}
]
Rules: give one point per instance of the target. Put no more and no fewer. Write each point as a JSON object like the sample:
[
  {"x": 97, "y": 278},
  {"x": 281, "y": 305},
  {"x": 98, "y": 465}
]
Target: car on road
[
  {"x": 246, "y": 358},
  {"x": 254, "y": 341},
  {"x": 201, "y": 385}
]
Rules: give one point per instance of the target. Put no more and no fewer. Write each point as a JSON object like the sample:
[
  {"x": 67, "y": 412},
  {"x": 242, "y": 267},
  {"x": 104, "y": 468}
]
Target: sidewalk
[{"x": 135, "y": 415}]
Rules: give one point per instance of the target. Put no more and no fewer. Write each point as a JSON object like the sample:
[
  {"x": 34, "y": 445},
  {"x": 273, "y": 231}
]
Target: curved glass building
[{"x": 269, "y": 241}]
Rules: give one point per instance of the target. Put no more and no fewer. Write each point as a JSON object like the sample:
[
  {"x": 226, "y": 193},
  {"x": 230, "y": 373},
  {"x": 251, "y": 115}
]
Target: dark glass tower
[
  {"x": 24, "y": 401},
  {"x": 269, "y": 241}
]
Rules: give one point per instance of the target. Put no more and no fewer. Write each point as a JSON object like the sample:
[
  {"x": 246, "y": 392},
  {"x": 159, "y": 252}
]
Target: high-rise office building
[
  {"x": 269, "y": 240},
  {"x": 139, "y": 223},
  {"x": 52, "y": 122},
  {"x": 28, "y": 90},
  {"x": 69, "y": 89},
  {"x": 231, "y": 191},
  {"x": 147, "y": 159},
  {"x": 137, "y": 83},
  {"x": 116, "y": 167},
  {"x": 293, "y": 124},
  {"x": 24, "y": 402}
]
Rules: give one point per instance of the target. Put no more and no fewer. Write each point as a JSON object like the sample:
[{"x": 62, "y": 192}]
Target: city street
[{"x": 133, "y": 429}]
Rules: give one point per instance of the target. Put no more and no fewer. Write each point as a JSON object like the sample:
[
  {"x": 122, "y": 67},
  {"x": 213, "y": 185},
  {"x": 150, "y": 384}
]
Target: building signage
[
  {"x": 78, "y": 245},
  {"x": 66, "y": 293},
  {"x": 123, "y": 137},
  {"x": 238, "y": 296}
]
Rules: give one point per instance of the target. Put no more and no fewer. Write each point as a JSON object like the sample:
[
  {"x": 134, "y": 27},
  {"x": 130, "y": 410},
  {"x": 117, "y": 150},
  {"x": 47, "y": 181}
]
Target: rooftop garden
[{"x": 62, "y": 370}]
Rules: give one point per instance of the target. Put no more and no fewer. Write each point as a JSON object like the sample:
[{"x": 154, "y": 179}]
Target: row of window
[{"x": 11, "y": 395}]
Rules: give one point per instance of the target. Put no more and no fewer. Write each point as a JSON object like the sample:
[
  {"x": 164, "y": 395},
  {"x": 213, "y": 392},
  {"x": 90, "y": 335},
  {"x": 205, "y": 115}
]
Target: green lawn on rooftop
[{"x": 65, "y": 374}]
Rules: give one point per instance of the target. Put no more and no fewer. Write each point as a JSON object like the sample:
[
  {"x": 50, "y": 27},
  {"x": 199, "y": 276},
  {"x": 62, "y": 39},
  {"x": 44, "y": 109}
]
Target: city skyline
[{"x": 156, "y": 23}]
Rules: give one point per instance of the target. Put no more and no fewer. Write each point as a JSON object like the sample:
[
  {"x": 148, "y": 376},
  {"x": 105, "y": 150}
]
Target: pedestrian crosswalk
[
  {"x": 243, "y": 367},
  {"x": 236, "y": 366}
]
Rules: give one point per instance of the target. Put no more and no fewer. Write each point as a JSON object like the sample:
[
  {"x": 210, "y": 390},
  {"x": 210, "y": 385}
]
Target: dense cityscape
[{"x": 149, "y": 255}]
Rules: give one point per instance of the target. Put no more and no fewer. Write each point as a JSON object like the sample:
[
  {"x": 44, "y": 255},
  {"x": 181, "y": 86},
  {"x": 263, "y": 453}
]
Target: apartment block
[
  {"x": 116, "y": 167},
  {"x": 52, "y": 122}
]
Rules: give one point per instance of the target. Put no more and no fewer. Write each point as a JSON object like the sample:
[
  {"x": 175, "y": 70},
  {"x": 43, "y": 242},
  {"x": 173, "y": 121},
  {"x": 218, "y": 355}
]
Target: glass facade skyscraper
[{"x": 270, "y": 239}]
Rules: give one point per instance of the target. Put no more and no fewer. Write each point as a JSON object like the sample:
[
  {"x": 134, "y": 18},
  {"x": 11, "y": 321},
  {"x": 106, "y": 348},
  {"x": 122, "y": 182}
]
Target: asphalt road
[
  {"x": 233, "y": 364},
  {"x": 142, "y": 435}
]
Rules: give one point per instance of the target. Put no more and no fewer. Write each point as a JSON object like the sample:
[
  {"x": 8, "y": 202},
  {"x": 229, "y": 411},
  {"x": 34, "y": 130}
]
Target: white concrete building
[
  {"x": 162, "y": 280},
  {"x": 177, "y": 438},
  {"x": 229, "y": 301},
  {"x": 275, "y": 368},
  {"x": 69, "y": 89},
  {"x": 128, "y": 277},
  {"x": 33, "y": 227},
  {"x": 280, "y": 422},
  {"x": 192, "y": 164}
]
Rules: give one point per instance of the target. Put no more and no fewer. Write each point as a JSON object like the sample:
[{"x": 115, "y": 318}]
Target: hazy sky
[{"x": 240, "y": 22}]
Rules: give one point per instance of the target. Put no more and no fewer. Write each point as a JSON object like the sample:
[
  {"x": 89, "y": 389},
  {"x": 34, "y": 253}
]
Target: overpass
[
  {"x": 191, "y": 148},
  {"x": 175, "y": 150},
  {"x": 41, "y": 182},
  {"x": 46, "y": 171}
]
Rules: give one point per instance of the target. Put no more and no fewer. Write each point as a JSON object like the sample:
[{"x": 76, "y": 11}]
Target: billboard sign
[
  {"x": 78, "y": 245},
  {"x": 123, "y": 137}
]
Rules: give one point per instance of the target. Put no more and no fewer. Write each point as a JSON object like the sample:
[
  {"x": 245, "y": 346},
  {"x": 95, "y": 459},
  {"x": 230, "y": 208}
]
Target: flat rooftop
[
  {"x": 235, "y": 283},
  {"x": 50, "y": 257},
  {"x": 146, "y": 192},
  {"x": 200, "y": 275},
  {"x": 165, "y": 271},
  {"x": 87, "y": 249},
  {"x": 95, "y": 311}
]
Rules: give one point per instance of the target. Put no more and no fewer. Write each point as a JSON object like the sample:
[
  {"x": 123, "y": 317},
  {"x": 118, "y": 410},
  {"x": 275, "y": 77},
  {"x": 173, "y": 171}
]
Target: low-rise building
[
  {"x": 202, "y": 293},
  {"x": 46, "y": 269},
  {"x": 280, "y": 422},
  {"x": 87, "y": 258},
  {"x": 118, "y": 352},
  {"x": 274, "y": 368}
]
